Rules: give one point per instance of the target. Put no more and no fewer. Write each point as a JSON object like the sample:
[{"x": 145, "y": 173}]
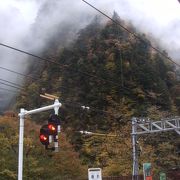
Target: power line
[
  {"x": 38, "y": 79},
  {"x": 88, "y": 109},
  {"x": 75, "y": 104},
  {"x": 72, "y": 104},
  {"x": 11, "y": 83},
  {"x": 4, "y": 89},
  {"x": 6, "y": 69},
  {"x": 27, "y": 53},
  {"x": 15, "y": 72},
  {"x": 20, "y": 88},
  {"x": 62, "y": 66},
  {"x": 65, "y": 66},
  {"x": 132, "y": 33},
  {"x": 61, "y": 87}
]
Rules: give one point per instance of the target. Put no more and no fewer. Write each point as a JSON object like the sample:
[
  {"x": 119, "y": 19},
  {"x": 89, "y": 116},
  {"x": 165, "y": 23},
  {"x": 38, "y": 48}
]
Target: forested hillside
[
  {"x": 38, "y": 163},
  {"x": 118, "y": 76}
]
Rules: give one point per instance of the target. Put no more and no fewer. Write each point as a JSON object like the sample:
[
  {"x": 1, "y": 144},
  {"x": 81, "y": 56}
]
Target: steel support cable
[{"x": 132, "y": 33}]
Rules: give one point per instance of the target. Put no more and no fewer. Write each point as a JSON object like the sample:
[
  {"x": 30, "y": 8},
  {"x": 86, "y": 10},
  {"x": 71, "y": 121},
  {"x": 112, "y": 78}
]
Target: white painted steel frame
[
  {"x": 142, "y": 126},
  {"x": 22, "y": 115}
]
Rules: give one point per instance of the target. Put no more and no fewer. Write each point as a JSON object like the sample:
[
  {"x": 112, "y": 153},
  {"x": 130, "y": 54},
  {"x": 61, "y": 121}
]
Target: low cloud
[{"x": 30, "y": 25}]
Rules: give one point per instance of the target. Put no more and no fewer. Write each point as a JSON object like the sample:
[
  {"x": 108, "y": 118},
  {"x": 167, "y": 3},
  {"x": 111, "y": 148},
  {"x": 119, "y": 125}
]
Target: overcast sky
[{"x": 157, "y": 18}]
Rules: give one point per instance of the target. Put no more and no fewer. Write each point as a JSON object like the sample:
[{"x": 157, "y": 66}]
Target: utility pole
[
  {"x": 22, "y": 115},
  {"x": 134, "y": 145}
]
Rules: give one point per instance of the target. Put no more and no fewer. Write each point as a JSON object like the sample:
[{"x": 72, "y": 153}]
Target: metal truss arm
[{"x": 149, "y": 126}]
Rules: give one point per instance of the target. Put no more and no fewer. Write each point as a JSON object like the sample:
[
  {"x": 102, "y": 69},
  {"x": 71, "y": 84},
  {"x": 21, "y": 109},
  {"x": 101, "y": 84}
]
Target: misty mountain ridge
[
  {"x": 118, "y": 76},
  {"x": 127, "y": 68}
]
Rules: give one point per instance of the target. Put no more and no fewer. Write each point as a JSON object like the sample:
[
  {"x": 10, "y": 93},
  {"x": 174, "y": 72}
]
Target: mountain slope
[{"x": 118, "y": 77}]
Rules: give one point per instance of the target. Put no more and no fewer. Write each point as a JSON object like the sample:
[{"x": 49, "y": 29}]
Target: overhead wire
[
  {"x": 63, "y": 66},
  {"x": 20, "y": 88},
  {"x": 97, "y": 77},
  {"x": 137, "y": 37},
  {"x": 21, "y": 74},
  {"x": 132, "y": 33},
  {"x": 44, "y": 59},
  {"x": 38, "y": 79},
  {"x": 79, "y": 105},
  {"x": 85, "y": 73},
  {"x": 17, "y": 86},
  {"x": 9, "y": 90}
]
